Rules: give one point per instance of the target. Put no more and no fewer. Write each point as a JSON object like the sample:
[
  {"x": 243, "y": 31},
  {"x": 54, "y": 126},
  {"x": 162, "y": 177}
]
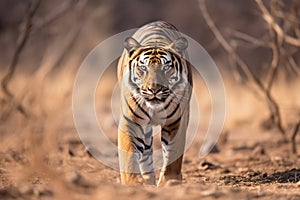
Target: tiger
[{"x": 156, "y": 86}]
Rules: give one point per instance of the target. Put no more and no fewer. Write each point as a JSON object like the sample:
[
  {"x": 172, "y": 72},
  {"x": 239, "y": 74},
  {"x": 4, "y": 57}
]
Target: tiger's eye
[
  {"x": 143, "y": 68},
  {"x": 166, "y": 67}
]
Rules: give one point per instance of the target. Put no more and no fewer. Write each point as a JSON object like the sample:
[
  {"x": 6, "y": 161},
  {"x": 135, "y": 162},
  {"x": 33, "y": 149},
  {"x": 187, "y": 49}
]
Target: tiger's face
[{"x": 155, "y": 73}]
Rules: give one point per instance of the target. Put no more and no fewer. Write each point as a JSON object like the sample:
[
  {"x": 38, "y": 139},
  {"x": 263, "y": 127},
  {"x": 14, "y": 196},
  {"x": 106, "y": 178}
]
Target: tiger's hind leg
[{"x": 173, "y": 138}]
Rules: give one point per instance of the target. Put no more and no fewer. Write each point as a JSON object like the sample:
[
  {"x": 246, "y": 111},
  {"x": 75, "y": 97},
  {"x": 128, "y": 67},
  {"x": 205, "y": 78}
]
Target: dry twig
[
  {"x": 275, "y": 115},
  {"x": 31, "y": 26},
  {"x": 293, "y": 139},
  {"x": 22, "y": 39},
  {"x": 250, "y": 39},
  {"x": 281, "y": 33},
  {"x": 57, "y": 13}
]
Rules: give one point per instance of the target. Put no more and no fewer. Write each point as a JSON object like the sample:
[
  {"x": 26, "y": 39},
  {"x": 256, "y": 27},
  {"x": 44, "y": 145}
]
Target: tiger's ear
[
  {"x": 131, "y": 44},
  {"x": 179, "y": 45}
]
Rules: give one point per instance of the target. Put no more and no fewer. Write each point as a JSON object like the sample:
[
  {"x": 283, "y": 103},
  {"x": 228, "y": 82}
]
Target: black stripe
[
  {"x": 147, "y": 147},
  {"x": 140, "y": 140},
  {"x": 145, "y": 158},
  {"x": 176, "y": 66},
  {"x": 140, "y": 107},
  {"x": 150, "y": 145},
  {"x": 164, "y": 141},
  {"x": 176, "y": 84},
  {"x": 173, "y": 129},
  {"x": 165, "y": 130},
  {"x": 132, "y": 122},
  {"x": 131, "y": 130},
  {"x": 149, "y": 164},
  {"x": 178, "y": 105},
  {"x": 163, "y": 53},
  {"x": 139, "y": 148},
  {"x": 130, "y": 72},
  {"x": 167, "y": 106},
  {"x": 175, "y": 122},
  {"x": 147, "y": 53},
  {"x": 174, "y": 111},
  {"x": 180, "y": 80},
  {"x": 144, "y": 144},
  {"x": 132, "y": 111}
]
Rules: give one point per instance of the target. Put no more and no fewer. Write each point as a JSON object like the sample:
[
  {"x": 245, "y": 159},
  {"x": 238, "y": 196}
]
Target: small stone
[
  {"x": 252, "y": 173},
  {"x": 226, "y": 171},
  {"x": 207, "y": 165},
  {"x": 71, "y": 153}
]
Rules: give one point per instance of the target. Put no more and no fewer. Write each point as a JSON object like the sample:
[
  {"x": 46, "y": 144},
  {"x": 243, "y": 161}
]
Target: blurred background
[{"x": 43, "y": 44}]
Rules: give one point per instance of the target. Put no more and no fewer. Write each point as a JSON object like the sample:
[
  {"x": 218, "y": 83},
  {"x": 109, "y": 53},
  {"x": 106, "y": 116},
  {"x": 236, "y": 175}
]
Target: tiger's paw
[
  {"x": 169, "y": 180},
  {"x": 149, "y": 178},
  {"x": 131, "y": 179}
]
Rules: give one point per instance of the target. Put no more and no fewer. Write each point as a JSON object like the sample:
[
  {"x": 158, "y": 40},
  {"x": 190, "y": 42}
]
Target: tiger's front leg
[
  {"x": 173, "y": 138},
  {"x": 146, "y": 160},
  {"x": 135, "y": 153},
  {"x": 129, "y": 169}
]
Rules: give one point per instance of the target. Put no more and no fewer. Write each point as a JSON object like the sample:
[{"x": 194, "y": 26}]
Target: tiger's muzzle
[{"x": 155, "y": 93}]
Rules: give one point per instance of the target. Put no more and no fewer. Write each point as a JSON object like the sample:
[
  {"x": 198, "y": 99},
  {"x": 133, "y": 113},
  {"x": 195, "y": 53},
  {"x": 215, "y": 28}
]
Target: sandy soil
[
  {"x": 260, "y": 167},
  {"x": 47, "y": 160}
]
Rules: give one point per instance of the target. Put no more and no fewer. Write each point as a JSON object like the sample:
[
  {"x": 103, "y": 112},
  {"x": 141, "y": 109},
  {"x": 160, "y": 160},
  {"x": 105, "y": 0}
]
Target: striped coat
[{"x": 156, "y": 87}]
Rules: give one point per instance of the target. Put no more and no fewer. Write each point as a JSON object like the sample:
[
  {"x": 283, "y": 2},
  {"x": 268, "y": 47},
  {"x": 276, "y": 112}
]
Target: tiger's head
[{"x": 155, "y": 72}]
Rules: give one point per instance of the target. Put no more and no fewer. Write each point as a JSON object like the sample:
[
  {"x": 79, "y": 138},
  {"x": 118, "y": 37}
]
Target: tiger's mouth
[
  {"x": 154, "y": 94},
  {"x": 155, "y": 100}
]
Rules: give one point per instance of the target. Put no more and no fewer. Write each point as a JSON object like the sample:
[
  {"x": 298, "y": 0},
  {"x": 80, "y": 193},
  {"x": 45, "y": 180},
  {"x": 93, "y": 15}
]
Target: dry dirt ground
[
  {"x": 47, "y": 160},
  {"x": 260, "y": 167}
]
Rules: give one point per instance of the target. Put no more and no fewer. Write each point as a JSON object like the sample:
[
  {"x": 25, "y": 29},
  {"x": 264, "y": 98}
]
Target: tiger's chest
[
  {"x": 158, "y": 117},
  {"x": 147, "y": 115}
]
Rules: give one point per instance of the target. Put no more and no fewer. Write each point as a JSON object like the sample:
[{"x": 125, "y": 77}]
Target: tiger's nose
[{"x": 154, "y": 89}]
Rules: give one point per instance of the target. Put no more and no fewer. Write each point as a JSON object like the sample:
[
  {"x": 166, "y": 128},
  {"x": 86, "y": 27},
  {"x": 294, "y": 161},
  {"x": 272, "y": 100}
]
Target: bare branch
[
  {"x": 22, "y": 39},
  {"x": 21, "y": 42},
  {"x": 57, "y": 13},
  {"x": 295, "y": 17},
  {"x": 226, "y": 45},
  {"x": 29, "y": 27},
  {"x": 295, "y": 132},
  {"x": 55, "y": 54},
  {"x": 275, "y": 115},
  {"x": 59, "y": 51},
  {"x": 250, "y": 39},
  {"x": 270, "y": 20},
  {"x": 275, "y": 59},
  {"x": 292, "y": 63}
]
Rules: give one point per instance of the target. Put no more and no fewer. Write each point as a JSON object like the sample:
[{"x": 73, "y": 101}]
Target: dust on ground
[{"x": 45, "y": 159}]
